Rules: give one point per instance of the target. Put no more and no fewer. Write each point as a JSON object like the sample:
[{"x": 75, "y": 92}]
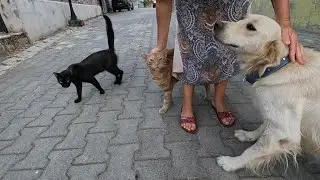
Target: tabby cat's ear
[
  {"x": 144, "y": 56},
  {"x": 56, "y": 74}
]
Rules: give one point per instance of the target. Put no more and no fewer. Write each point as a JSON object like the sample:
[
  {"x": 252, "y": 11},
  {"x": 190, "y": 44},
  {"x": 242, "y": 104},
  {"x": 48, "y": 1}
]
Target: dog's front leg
[
  {"x": 280, "y": 137},
  {"x": 250, "y": 136},
  {"x": 255, "y": 151}
]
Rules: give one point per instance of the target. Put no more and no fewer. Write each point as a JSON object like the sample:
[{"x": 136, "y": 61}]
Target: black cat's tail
[{"x": 110, "y": 32}]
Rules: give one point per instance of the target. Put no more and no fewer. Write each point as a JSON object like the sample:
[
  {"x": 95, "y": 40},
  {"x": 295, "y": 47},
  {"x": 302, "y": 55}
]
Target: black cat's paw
[
  {"x": 102, "y": 91},
  {"x": 77, "y": 100}
]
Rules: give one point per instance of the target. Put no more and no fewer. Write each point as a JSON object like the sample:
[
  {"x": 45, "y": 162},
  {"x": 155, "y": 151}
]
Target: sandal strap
[
  {"x": 226, "y": 115},
  {"x": 188, "y": 120}
]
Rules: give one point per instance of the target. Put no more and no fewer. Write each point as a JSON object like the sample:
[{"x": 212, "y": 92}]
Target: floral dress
[{"x": 204, "y": 59}]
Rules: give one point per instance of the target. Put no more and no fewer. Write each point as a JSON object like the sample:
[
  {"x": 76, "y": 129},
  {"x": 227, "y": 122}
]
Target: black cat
[{"x": 105, "y": 60}]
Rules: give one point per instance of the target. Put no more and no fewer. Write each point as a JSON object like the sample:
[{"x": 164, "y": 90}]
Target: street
[{"x": 118, "y": 135}]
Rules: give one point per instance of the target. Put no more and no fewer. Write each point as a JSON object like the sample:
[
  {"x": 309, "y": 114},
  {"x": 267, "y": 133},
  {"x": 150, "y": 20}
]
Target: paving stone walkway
[{"x": 118, "y": 135}]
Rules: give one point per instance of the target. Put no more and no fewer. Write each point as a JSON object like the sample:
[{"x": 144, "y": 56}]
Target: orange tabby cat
[{"x": 160, "y": 66}]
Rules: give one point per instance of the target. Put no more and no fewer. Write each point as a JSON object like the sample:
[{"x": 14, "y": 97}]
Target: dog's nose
[{"x": 218, "y": 26}]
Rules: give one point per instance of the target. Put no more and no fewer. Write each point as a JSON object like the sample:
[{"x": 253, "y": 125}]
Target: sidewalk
[{"x": 118, "y": 135}]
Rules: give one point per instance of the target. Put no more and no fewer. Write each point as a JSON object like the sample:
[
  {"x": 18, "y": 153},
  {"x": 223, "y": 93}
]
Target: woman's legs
[
  {"x": 219, "y": 102},
  {"x": 187, "y": 110}
]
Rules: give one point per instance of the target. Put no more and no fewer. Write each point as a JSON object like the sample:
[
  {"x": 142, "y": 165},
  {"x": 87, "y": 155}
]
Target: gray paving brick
[
  {"x": 12, "y": 131},
  {"x": 72, "y": 108},
  {"x": 36, "y": 108},
  {"x": 152, "y": 119},
  {"x": 7, "y": 116},
  {"x": 154, "y": 170},
  {"x": 175, "y": 132},
  {"x": 86, "y": 172},
  {"x": 185, "y": 161},
  {"x": 127, "y": 132},
  {"x": 114, "y": 103},
  {"x": 215, "y": 172},
  {"x": 120, "y": 169},
  {"x": 88, "y": 114},
  {"x": 59, "y": 126},
  {"x": 38, "y": 156},
  {"x": 4, "y": 106},
  {"x": 60, "y": 162},
  {"x": 24, "y": 143},
  {"x": 61, "y": 100},
  {"x": 140, "y": 73},
  {"x": 6, "y": 161},
  {"x": 152, "y": 145},
  {"x": 31, "y": 86},
  {"x": 98, "y": 98},
  {"x": 119, "y": 90},
  {"x": 75, "y": 137},
  {"x": 23, "y": 175},
  {"x": 153, "y": 100},
  {"x": 246, "y": 112},
  {"x": 152, "y": 87},
  {"x": 135, "y": 93},
  {"x": 206, "y": 116},
  {"x": 266, "y": 178},
  {"x": 211, "y": 143},
  {"x": 138, "y": 82},
  {"x": 96, "y": 149},
  {"x": 106, "y": 122},
  {"x": 45, "y": 119},
  {"x": 26, "y": 98},
  {"x": 132, "y": 110},
  {"x": 4, "y": 144}
]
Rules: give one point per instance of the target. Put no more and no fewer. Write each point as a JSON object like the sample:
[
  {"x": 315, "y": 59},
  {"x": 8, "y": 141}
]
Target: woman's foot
[
  {"x": 187, "y": 120},
  {"x": 224, "y": 115}
]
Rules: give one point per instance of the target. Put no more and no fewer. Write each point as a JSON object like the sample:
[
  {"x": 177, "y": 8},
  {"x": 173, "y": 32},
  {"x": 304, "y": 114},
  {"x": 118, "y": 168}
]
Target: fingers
[
  {"x": 293, "y": 48},
  {"x": 299, "y": 55}
]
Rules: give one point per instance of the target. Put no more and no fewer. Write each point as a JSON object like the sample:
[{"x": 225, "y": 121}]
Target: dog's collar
[{"x": 254, "y": 77}]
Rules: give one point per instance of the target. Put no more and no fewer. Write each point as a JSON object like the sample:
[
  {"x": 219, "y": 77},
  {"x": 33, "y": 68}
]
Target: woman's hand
[
  {"x": 290, "y": 38},
  {"x": 157, "y": 49}
]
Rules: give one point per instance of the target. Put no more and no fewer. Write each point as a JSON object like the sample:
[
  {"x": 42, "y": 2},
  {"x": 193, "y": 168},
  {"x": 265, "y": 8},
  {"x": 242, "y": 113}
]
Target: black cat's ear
[{"x": 56, "y": 74}]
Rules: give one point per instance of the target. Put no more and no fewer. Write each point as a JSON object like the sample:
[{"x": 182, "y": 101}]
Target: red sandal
[
  {"x": 225, "y": 115},
  {"x": 189, "y": 120}
]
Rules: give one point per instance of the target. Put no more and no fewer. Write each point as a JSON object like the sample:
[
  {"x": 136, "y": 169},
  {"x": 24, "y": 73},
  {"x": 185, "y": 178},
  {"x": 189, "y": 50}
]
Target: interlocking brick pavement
[{"x": 118, "y": 135}]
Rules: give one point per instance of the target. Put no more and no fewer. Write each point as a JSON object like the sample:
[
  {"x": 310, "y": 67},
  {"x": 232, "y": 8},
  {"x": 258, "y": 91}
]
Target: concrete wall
[
  {"x": 305, "y": 14},
  {"x": 39, "y": 18}
]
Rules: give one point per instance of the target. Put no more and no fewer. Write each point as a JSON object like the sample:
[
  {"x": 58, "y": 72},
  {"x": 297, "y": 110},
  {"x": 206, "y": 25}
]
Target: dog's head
[{"x": 257, "y": 38}]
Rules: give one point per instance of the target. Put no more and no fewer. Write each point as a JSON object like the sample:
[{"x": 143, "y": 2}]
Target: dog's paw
[
  {"x": 227, "y": 163},
  {"x": 102, "y": 92},
  {"x": 77, "y": 100},
  {"x": 243, "y": 136}
]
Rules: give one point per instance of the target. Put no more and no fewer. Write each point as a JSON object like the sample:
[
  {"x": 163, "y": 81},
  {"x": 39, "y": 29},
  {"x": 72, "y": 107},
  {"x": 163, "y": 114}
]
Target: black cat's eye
[{"x": 250, "y": 27}]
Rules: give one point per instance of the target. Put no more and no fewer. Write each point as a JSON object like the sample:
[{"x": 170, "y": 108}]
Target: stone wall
[
  {"x": 39, "y": 18},
  {"x": 91, "y": 2},
  {"x": 305, "y": 14}
]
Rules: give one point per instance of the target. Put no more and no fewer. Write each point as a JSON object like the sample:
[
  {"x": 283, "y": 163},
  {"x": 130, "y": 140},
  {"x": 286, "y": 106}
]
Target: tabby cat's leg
[
  {"x": 167, "y": 100},
  {"x": 207, "y": 95}
]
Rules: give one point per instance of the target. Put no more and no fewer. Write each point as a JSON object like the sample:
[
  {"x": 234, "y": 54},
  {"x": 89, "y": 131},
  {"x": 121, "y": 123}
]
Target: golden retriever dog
[{"x": 288, "y": 96}]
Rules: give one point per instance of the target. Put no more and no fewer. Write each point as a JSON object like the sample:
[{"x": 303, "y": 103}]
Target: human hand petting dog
[{"x": 290, "y": 38}]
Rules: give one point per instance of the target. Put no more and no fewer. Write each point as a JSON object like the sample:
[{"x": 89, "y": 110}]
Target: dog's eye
[{"x": 250, "y": 27}]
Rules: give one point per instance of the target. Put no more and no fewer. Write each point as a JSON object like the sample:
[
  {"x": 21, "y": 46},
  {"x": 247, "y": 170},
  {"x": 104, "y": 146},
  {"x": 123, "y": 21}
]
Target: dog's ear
[
  {"x": 271, "y": 55},
  {"x": 144, "y": 56}
]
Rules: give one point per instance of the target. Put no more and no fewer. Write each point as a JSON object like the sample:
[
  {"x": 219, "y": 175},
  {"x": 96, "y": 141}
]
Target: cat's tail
[{"x": 110, "y": 32}]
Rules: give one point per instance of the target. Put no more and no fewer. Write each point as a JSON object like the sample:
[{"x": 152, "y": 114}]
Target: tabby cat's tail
[{"x": 110, "y": 32}]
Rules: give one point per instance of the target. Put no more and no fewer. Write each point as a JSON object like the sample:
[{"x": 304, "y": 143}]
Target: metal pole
[{"x": 74, "y": 21}]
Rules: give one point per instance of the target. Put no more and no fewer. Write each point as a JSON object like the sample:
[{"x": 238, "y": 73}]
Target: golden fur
[
  {"x": 288, "y": 99},
  {"x": 160, "y": 67}
]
